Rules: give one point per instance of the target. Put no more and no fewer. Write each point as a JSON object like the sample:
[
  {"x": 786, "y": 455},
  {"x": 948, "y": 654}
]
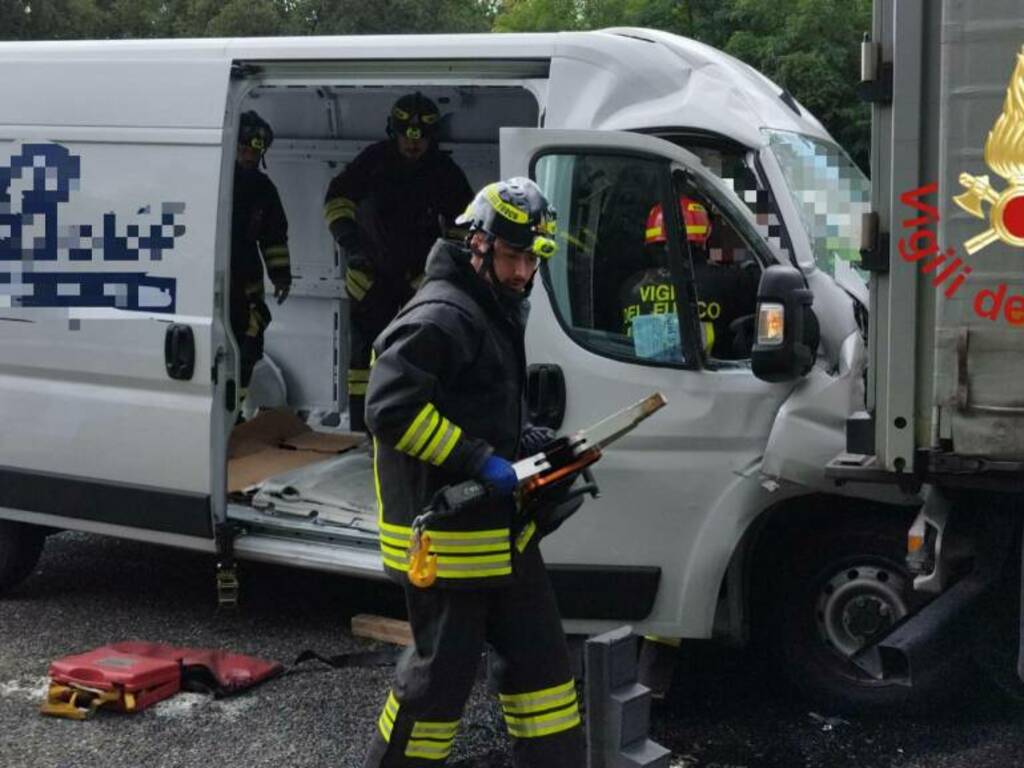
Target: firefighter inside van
[
  {"x": 385, "y": 210},
  {"x": 259, "y": 234},
  {"x": 726, "y": 292}
]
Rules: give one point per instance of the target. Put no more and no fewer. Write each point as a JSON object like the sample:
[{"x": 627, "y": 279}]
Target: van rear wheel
[
  {"x": 833, "y": 591},
  {"x": 20, "y": 548}
]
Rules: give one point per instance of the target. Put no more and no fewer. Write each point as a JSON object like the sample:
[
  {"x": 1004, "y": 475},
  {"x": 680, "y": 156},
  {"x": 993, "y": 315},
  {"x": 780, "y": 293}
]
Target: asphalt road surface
[{"x": 89, "y": 591}]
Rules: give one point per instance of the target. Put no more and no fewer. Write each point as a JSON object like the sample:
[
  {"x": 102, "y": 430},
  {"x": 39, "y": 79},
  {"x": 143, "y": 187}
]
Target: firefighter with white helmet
[{"x": 445, "y": 404}]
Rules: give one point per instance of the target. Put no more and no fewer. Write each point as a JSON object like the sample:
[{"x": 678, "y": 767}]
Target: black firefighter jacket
[{"x": 445, "y": 391}]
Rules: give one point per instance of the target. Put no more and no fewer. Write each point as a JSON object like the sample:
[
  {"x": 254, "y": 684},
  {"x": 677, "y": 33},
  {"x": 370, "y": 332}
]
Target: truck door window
[
  {"x": 610, "y": 281},
  {"x": 726, "y": 273}
]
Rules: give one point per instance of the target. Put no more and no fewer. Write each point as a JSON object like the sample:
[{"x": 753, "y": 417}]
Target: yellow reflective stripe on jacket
[
  {"x": 376, "y": 488},
  {"x": 538, "y": 701},
  {"x": 491, "y": 545},
  {"x": 448, "y": 536},
  {"x": 430, "y": 437},
  {"x": 525, "y": 536},
  {"x": 439, "y": 448},
  {"x": 387, "y": 718},
  {"x": 358, "y": 378},
  {"x": 497, "y": 563},
  {"x": 543, "y": 725},
  {"x": 652, "y": 232},
  {"x": 414, "y": 429},
  {"x": 276, "y": 256},
  {"x": 339, "y": 208}
]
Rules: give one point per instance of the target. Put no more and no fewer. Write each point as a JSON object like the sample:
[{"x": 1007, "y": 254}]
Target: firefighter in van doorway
[
  {"x": 724, "y": 291},
  {"x": 384, "y": 210},
  {"x": 445, "y": 403},
  {"x": 259, "y": 234}
]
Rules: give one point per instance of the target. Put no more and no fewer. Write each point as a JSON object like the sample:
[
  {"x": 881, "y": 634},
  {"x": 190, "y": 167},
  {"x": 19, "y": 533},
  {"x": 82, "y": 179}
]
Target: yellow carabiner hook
[{"x": 422, "y": 564}]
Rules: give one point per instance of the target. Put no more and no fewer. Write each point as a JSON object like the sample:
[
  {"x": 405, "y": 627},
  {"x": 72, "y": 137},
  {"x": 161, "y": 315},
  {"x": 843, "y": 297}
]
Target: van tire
[
  {"x": 20, "y": 547},
  {"x": 827, "y": 590}
]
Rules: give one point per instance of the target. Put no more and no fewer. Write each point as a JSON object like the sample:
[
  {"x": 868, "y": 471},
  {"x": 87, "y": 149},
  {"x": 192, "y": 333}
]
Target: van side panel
[{"x": 109, "y": 194}]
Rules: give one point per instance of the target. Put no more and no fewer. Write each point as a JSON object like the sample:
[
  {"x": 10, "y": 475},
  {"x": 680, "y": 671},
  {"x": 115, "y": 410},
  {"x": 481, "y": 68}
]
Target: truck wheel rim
[{"x": 858, "y": 605}]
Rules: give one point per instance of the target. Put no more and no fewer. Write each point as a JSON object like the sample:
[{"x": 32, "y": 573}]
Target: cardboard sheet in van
[{"x": 277, "y": 441}]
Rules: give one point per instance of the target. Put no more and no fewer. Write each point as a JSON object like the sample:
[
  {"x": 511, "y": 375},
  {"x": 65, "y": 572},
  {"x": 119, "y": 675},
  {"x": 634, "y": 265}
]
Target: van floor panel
[{"x": 338, "y": 489}]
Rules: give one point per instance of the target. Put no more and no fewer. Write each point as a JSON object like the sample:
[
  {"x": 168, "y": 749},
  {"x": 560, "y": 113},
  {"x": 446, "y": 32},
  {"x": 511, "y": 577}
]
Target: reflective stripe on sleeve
[
  {"x": 276, "y": 257},
  {"x": 430, "y": 437},
  {"x": 339, "y": 208},
  {"x": 416, "y": 427}
]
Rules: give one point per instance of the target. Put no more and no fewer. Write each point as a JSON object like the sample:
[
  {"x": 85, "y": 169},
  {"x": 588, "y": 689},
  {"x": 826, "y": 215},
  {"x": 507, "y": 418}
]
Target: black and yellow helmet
[
  {"x": 516, "y": 211},
  {"x": 255, "y": 132},
  {"x": 415, "y": 117}
]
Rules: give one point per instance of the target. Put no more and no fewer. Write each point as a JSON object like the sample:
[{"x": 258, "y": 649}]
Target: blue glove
[{"x": 499, "y": 475}]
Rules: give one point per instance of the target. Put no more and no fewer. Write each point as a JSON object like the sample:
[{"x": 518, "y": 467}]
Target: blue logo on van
[{"x": 32, "y": 239}]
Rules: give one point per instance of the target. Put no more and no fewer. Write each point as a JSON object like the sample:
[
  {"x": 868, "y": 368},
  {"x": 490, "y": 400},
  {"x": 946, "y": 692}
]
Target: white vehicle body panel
[{"x": 147, "y": 119}]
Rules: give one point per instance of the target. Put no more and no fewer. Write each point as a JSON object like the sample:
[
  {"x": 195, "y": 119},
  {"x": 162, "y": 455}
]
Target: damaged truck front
[{"x": 943, "y": 413}]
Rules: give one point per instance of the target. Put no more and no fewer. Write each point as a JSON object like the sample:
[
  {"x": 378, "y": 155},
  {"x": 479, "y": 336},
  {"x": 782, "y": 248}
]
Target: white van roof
[{"x": 613, "y": 79}]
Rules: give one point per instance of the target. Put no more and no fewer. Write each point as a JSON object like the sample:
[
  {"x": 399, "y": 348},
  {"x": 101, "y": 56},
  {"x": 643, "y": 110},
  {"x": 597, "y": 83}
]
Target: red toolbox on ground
[{"x": 109, "y": 677}]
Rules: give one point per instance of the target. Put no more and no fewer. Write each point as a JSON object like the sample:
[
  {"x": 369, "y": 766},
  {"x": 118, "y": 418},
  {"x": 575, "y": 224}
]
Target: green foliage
[{"x": 809, "y": 47}]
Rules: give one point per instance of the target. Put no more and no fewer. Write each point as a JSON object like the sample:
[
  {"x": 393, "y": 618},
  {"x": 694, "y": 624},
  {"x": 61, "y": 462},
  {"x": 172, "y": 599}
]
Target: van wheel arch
[
  {"x": 825, "y": 573},
  {"x": 21, "y": 545}
]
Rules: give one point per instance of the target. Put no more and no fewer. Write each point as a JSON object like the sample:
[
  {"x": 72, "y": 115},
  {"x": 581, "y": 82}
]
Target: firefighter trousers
[
  {"x": 374, "y": 304},
  {"x": 434, "y": 677}
]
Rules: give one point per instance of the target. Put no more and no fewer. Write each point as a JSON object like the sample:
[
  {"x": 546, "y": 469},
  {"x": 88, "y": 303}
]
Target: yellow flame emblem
[{"x": 1004, "y": 155}]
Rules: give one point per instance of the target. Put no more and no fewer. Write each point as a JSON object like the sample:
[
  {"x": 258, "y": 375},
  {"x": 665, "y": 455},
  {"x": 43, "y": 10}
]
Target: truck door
[
  {"x": 657, "y": 267},
  {"x": 110, "y": 177}
]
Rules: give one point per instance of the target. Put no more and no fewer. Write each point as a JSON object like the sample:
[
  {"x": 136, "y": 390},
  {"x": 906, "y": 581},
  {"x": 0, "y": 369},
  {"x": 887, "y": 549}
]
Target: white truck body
[{"x": 141, "y": 139}]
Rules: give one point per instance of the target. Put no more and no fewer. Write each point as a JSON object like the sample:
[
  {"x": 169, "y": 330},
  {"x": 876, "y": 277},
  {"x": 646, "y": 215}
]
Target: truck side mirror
[{"x": 786, "y": 342}]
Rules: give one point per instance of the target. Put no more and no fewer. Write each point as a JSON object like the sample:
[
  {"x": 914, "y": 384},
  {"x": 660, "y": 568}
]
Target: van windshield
[{"x": 830, "y": 194}]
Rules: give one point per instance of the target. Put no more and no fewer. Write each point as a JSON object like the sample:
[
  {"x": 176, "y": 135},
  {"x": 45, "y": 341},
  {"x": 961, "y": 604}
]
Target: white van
[{"x": 118, "y": 368}]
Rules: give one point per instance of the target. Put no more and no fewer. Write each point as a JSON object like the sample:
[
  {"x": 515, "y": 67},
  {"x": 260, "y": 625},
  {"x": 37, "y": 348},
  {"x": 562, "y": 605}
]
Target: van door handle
[{"x": 180, "y": 352}]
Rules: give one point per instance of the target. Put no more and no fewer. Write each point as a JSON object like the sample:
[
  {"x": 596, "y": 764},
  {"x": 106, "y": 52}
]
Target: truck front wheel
[
  {"x": 20, "y": 548},
  {"x": 830, "y": 592}
]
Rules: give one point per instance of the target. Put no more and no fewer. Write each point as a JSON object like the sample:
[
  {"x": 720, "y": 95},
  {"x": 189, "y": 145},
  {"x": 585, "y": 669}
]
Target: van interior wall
[{"x": 317, "y": 131}]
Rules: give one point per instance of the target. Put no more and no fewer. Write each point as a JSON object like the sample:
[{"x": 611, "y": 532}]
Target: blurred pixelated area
[
  {"x": 37, "y": 250},
  {"x": 829, "y": 192}
]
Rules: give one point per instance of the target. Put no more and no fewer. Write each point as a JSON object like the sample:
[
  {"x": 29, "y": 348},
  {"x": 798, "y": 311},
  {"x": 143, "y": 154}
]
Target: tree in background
[{"x": 808, "y": 47}]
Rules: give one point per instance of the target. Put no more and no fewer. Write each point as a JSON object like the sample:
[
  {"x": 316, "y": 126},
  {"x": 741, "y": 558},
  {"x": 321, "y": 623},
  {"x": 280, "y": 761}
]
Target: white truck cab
[{"x": 118, "y": 369}]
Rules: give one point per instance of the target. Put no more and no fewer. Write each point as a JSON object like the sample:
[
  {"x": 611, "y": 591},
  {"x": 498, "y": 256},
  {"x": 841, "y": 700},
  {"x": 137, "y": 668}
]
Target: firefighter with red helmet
[
  {"x": 724, "y": 292},
  {"x": 384, "y": 210},
  {"x": 445, "y": 404},
  {"x": 259, "y": 235}
]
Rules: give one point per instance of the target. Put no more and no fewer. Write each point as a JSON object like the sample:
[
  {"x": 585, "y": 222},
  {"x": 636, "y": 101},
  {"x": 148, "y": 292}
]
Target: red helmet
[{"x": 695, "y": 216}]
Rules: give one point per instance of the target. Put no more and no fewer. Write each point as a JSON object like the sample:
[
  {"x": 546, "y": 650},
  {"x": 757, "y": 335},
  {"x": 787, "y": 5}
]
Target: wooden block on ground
[{"x": 381, "y": 628}]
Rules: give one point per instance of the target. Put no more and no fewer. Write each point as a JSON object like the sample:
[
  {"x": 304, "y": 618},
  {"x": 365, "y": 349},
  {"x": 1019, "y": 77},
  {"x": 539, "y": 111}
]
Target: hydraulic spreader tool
[{"x": 555, "y": 466}]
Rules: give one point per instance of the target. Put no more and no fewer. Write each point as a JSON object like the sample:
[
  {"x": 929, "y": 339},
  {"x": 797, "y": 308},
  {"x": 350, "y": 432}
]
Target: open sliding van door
[
  {"x": 678, "y": 491},
  {"x": 110, "y": 177}
]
